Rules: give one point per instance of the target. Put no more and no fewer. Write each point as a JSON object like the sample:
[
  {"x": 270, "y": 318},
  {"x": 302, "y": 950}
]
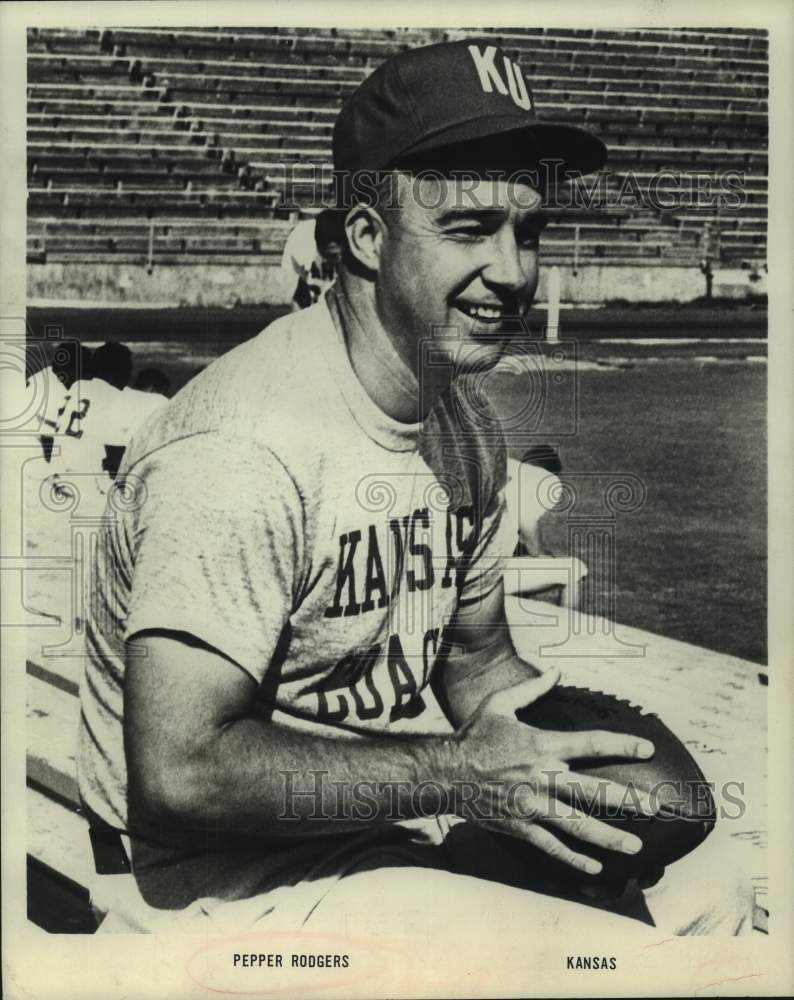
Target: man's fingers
[
  {"x": 509, "y": 700},
  {"x": 545, "y": 841},
  {"x": 588, "y": 792},
  {"x": 598, "y": 743},
  {"x": 590, "y": 830}
]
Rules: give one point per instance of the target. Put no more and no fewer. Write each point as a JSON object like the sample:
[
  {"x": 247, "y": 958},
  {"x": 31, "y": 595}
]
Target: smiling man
[{"x": 300, "y": 689}]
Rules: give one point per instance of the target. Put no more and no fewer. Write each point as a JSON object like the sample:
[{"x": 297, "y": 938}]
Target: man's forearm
[
  {"x": 482, "y": 679},
  {"x": 470, "y": 674},
  {"x": 479, "y": 658},
  {"x": 260, "y": 778}
]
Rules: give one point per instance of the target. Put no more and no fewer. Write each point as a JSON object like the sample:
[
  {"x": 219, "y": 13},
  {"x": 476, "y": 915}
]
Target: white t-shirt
[{"x": 289, "y": 523}]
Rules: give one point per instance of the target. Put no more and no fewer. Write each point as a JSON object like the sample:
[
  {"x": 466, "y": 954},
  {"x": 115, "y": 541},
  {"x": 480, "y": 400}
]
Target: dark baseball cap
[{"x": 430, "y": 100}]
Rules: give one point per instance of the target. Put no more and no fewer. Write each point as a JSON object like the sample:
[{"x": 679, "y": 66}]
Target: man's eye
[{"x": 467, "y": 233}]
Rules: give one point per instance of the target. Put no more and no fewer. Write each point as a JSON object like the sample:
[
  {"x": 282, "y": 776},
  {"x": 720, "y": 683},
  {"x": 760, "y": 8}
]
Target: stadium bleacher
[{"x": 162, "y": 145}]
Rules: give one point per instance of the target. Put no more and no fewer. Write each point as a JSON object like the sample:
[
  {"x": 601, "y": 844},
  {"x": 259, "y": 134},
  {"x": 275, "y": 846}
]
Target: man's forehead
[{"x": 442, "y": 194}]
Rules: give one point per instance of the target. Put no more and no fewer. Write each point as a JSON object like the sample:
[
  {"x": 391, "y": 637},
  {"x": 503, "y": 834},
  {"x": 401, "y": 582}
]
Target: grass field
[
  {"x": 691, "y": 562},
  {"x": 688, "y": 418}
]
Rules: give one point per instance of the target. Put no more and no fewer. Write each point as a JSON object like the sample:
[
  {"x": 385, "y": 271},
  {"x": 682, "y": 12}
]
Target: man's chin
[{"x": 480, "y": 355}]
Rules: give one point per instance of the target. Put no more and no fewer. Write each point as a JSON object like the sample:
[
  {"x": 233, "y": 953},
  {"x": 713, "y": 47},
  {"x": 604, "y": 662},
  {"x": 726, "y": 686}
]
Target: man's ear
[{"x": 365, "y": 231}]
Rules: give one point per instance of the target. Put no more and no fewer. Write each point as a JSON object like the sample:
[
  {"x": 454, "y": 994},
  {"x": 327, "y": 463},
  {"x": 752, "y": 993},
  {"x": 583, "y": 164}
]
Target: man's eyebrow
[
  {"x": 533, "y": 220},
  {"x": 470, "y": 214}
]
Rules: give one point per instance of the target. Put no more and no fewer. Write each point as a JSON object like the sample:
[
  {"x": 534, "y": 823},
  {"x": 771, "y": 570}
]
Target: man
[
  {"x": 313, "y": 574},
  {"x": 47, "y": 389},
  {"x": 94, "y": 423},
  {"x": 312, "y": 253},
  {"x": 529, "y": 494},
  {"x": 147, "y": 394},
  {"x": 154, "y": 381}
]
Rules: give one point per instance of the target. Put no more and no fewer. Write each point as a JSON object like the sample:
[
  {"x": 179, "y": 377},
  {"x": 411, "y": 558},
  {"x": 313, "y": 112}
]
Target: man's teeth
[{"x": 482, "y": 312}]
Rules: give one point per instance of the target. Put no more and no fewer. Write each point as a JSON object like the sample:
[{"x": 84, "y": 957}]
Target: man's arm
[
  {"x": 200, "y": 757},
  {"x": 481, "y": 682},
  {"x": 480, "y": 658}
]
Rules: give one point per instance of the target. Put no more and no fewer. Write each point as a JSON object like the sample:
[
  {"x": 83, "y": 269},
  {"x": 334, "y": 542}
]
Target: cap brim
[{"x": 516, "y": 145}]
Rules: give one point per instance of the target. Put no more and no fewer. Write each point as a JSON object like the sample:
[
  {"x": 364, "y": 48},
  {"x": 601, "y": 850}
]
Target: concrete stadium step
[
  {"x": 617, "y": 43},
  {"x": 636, "y": 87},
  {"x": 318, "y": 141},
  {"x": 289, "y": 155},
  {"x": 133, "y": 200},
  {"x": 162, "y": 244},
  {"x": 114, "y": 177},
  {"x": 71, "y": 128},
  {"x": 631, "y": 96},
  {"x": 93, "y": 93},
  {"x": 722, "y": 135},
  {"x": 264, "y": 111},
  {"x": 99, "y": 108},
  {"x": 76, "y": 68},
  {"x": 311, "y": 83},
  {"x": 168, "y": 65},
  {"x": 547, "y": 66}
]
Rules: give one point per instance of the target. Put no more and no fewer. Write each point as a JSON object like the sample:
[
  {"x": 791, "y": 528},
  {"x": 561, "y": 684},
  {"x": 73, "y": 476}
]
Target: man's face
[{"x": 459, "y": 264}]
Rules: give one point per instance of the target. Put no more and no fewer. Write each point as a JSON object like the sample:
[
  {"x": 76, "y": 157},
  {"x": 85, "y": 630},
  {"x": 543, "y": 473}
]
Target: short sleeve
[{"x": 216, "y": 544}]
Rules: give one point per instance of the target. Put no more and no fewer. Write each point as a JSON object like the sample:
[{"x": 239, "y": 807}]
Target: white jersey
[
  {"x": 92, "y": 417},
  {"x": 140, "y": 405},
  {"x": 45, "y": 398},
  {"x": 302, "y": 260}
]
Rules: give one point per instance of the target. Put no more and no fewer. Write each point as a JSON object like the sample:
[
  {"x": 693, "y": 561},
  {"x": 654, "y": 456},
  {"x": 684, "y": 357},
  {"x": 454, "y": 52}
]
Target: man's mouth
[{"x": 481, "y": 312}]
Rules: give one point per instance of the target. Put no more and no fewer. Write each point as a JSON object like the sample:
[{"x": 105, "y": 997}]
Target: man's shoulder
[
  {"x": 97, "y": 389},
  {"x": 264, "y": 390}
]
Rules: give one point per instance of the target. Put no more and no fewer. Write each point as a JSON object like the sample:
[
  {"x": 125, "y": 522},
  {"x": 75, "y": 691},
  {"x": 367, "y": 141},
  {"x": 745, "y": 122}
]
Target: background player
[{"x": 312, "y": 254}]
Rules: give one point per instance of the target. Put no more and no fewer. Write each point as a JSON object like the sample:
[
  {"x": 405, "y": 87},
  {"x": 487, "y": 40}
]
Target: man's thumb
[{"x": 509, "y": 700}]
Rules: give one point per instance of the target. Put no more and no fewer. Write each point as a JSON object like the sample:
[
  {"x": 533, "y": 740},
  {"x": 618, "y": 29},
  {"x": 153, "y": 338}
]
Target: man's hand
[{"x": 523, "y": 783}]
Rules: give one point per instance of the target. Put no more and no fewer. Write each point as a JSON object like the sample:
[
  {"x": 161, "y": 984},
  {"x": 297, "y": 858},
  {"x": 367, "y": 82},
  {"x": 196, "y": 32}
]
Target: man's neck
[{"x": 387, "y": 378}]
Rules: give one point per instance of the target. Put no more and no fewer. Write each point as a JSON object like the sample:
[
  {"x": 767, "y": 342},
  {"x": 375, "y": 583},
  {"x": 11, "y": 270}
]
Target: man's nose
[{"x": 508, "y": 267}]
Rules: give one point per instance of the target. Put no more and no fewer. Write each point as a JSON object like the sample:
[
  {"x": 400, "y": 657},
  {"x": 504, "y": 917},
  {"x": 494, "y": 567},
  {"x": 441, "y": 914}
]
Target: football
[{"x": 686, "y": 812}]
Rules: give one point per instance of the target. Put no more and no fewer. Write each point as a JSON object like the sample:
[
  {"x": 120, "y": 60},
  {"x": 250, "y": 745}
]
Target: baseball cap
[{"x": 431, "y": 99}]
